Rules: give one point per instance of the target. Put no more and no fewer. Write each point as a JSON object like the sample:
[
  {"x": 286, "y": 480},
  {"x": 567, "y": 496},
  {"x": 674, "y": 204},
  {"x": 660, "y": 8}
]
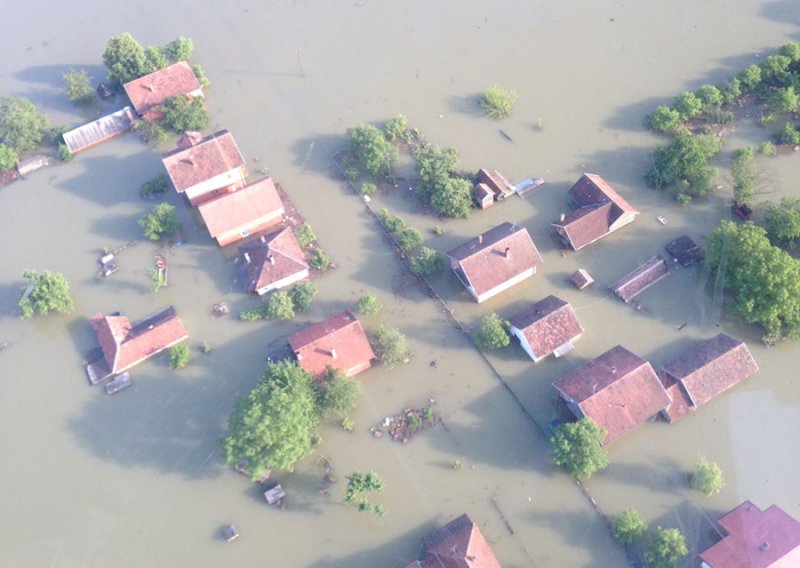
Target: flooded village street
[{"x": 137, "y": 479}]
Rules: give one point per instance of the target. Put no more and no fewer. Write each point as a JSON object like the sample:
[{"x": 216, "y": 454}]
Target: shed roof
[
  {"x": 237, "y": 209},
  {"x": 148, "y": 92},
  {"x": 684, "y": 250},
  {"x": 338, "y": 342},
  {"x": 581, "y": 278},
  {"x": 640, "y": 279},
  {"x": 547, "y": 325},
  {"x": 495, "y": 181},
  {"x": 273, "y": 258},
  {"x": 100, "y": 130},
  {"x": 212, "y": 156}
]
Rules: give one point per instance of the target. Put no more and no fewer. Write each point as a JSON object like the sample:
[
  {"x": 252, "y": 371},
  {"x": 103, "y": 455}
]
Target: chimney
[
  {"x": 189, "y": 160},
  {"x": 299, "y": 356},
  {"x": 247, "y": 258},
  {"x": 480, "y": 239},
  {"x": 151, "y": 88},
  {"x": 764, "y": 546},
  {"x": 333, "y": 353},
  {"x": 507, "y": 252},
  {"x": 271, "y": 258},
  {"x": 563, "y": 216}
]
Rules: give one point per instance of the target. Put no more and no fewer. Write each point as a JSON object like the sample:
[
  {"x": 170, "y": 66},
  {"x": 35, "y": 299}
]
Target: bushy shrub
[{"x": 498, "y": 102}]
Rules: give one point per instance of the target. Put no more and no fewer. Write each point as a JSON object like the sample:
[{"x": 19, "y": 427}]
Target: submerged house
[
  {"x": 147, "y": 94},
  {"x": 755, "y": 539},
  {"x": 491, "y": 186},
  {"x": 338, "y": 342},
  {"x": 495, "y": 260},
  {"x": 203, "y": 168},
  {"x": 231, "y": 217},
  {"x": 600, "y": 211},
  {"x": 640, "y": 279},
  {"x": 618, "y": 390},
  {"x": 457, "y": 544},
  {"x": 100, "y": 130},
  {"x": 704, "y": 372},
  {"x": 547, "y": 327},
  {"x": 125, "y": 344},
  {"x": 272, "y": 262},
  {"x": 684, "y": 250}
]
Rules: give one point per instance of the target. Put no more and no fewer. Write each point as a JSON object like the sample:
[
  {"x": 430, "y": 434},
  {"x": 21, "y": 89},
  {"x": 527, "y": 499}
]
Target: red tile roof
[
  {"x": 272, "y": 258},
  {"x": 706, "y": 371},
  {"x": 618, "y": 390},
  {"x": 496, "y": 256},
  {"x": 547, "y": 325},
  {"x": 458, "y": 544},
  {"x": 124, "y": 345},
  {"x": 148, "y": 92},
  {"x": 338, "y": 342},
  {"x": 238, "y": 209},
  {"x": 495, "y": 181},
  {"x": 582, "y": 279},
  {"x": 640, "y": 279},
  {"x": 212, "y": 156},
  {"x": 756, "y": 539}
]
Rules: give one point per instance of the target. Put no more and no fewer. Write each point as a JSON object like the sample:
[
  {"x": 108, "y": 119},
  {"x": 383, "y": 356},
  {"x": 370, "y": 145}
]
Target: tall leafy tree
[
  {"x": 576, "y": 446},
  {"x": 125, "y": 59},
  {"x": 79, "y": 86},
  {"x": 45, "y": 292},
  {"x": 375, "y": 154},
  {"x": 665, "y": 548},
  {"x": 21, "y": 125},
  {"x": 707, "y": 477},
  {"x": 629, "y": 527},
  {"x": 337, "y": 394},
  {"x": 179, "y": 49},
  {"x": 782, "y": 221},
  {"x": 182, "y": 113},
  {"x": 492, "y": 333},
  {"x": 161, "y": 220}
]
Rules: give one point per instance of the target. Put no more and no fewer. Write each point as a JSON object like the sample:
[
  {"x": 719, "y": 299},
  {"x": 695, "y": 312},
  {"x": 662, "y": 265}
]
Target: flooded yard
[{"x": 137, "y": 480}]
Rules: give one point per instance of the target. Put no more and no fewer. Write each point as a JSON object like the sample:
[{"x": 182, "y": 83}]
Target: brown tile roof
[
  {"x": 707, "y": 370},
  {"x": 212, "y": 156},
  {"x": 547, "y": 325},
  {"x": 640, "y": 279},
  {"x": 582, "y": 279},
  {"x": 495, "y": 181},
  {"x": 496, "y": 256},
  {"x": 756, "y": 539},
  {"x": 618, "y": 390},
  {"x": 272, "y": 258},
  {"x": 483, "y": 195},
  {"x": 239, "y": 208},
  {"x": 338, "y": 342},
  {"x": 591, "y": 189},
  {"x": 148, "y": 92},
  {"x": 125, "y": 345},
  {"x": 458, "y": 544}
]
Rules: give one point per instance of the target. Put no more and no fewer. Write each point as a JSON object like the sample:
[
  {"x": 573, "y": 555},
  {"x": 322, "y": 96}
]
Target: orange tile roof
[
  {"x": 212, "y": 156},
  {"x": 458, "y": 544},
  {"x": 287, "y": 258},
  {"x": 240, "y": 208},
  {"x": 547, "y": 325},
  {"x": 148, "y": 92},
  {"x": 338, "y": 342},
  {"x": 618, "y": 390}
]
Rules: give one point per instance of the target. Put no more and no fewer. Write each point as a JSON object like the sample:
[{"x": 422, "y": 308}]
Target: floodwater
[{"x": 136, "y": 480}]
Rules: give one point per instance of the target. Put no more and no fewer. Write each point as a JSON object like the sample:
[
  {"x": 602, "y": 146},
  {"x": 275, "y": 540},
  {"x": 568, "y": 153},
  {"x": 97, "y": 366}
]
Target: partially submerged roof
[
  {"x": 495, "y": 181},
  {"x": 151, "y": 91},
  {"x": 582, "y": 279},
  {"x": 100, "y": 130},
  {"x": 338, "y": 342},
  {"x": 458, "y": 544},
  {"x": 237, "y": 209},
  {"x": 547, "y": 325},
  {"x": 684, "y": 250},
  {"x": 212, "y": 156},
  {"x": 618, "y": 390},
  {"x": 640, "y": 279},
  {"x": 272, "y": 258},
  {"x": 756, "y": 539}
]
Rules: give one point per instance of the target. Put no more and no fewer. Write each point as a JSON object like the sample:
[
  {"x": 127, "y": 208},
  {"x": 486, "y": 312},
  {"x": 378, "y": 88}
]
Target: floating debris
[
  {"x": 108, "y": 264},
  {"x": 230, "y": 533},
  {"x": 275, "y": 494},
  {"x": 401, "y": 427},
  {"x": 118, "y": 383},
  {"x": 220, "y": 309},
  {"x": 662, "y": 220}
]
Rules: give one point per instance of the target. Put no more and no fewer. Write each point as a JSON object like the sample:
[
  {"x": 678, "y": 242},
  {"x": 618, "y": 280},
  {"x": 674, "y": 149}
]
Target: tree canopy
[
  {"x": 374, "y": 153},
  {"x": 45, "y": 292},
  {"x": 79, "y": 86},
  {"x": 492, "y": 333},
  {"x": 427, "y": 261},
  {"x": 161, "y": 220},
  {"x": 665, "y": 548},
  {"x": 8, "y": 157},
  {"x": 685, "y": 161},
  {"x": 359, "y": 486},
  {"x": 707, "y": 478},
  {"x": 745, "y": 174},
  {"x": 576, "y": 446},
  {"x": 182, "y": 113},
  {"x": 21, "y": 125},
  {"x": 782, "y": 221},
  {"x": 391, "y": 347},
  {"x": 179, "y": 49},
  {"x": 302, "y": 296},
  {"x": 337, "y": 394},
  {"x": 125, "y": 59},
  {"x": 629, "y": 527},
  {"x": 280, "y": 306},
  {"x": 368, "y": 305},
  {"x": 498, "y": 102},
  {"x": 449, "y": 195}
]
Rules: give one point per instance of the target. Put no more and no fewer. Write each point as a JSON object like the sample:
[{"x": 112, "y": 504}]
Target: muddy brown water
[{"x": 136, "y": 480}]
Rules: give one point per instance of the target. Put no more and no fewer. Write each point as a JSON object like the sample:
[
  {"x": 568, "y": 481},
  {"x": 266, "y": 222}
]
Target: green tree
[
  {"x": 162, "y": 220},
  {"x": 155, "y": 186},
  {"x": 155, "y": 58},
  {"x": 125, "y": 59},
  {"x": 775, "y": 71},
  {"x": 629, "y": 527},
  {"x": 576, "y": 446},
  {"x": 21, "y": 125},
  {"x": 178, "y": 356},
  {"x": 280, "y": 306},
  {"x": 201, "y": 75},
  {"x": 492, "y": 333},
  {"x": 392, "y": 223},
  {"x": 782, "y": 221},
  {"x": 498, "y": 102},
  {"x": 409, "y": 239},
  {"x": 685, "y": 160},
  {"x": 732, "y": 91},
  {"x": 434, "y": 166},
  {"x": 789, "y": 134},
  {"x": 8, "y": 157},
  {"x": 791, "y": 50},
  {"x": 179, "y": 49},
  {"x": 783, "y": 100},
  {"x": 151, "y": 133},
  {"x": 749, "y": 79},
  {"x": 305, "y": 235},
  {"x": 710, "y": 96},
  {"x": 302, "y": 296},
  {"x": 665, "y": 119},
  {"x": 368, "y": 305},
  {"x": 79, "y": 86},
  {"x": 665, "y": 548},
  {"x": 427, "y": 261},
  {"x": 745, "y": 174},
  {"x": 359, "y": 486},
  {"x": 44, "y": 293},
  {"x": 374, "y": 153},
  {"x": 182, "y": 113},
  {"x": 319, "y": 259},
  {"x": 707, "y": 478},
  {"x": 688, "y": 105},
  {"x": 275, "y": 425},
  {"x": 391, "y": 347},
  {"x": 337, "y": 394},
  {"x": 453, "y": 199},
  {"x": 396, "y": 129}
]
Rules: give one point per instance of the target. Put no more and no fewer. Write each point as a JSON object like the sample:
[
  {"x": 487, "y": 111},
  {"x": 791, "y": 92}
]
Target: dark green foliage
[
  {"x": 665, "y": 548},
  {"x": 629, "y": 527},
  {"x": 391, "y": 347},
  {"x": 319, "y": 259},
  {"x": 782, "y": 222},
  {"x": 745, "y": 174},
  {"x": 791, "y": 50},
  {"x": 732, "y": 91},
  {"x": 182, "y": 113},
  {"x": 275, "y": 425},
  {"x": 64, "y": 154},
  {"x": 8, "y": 157},
  {"x": 498, "y": 102},
  {"x": 775, "y": 71},
  {"x": 392, "y": 223},
  {"x": 434, "y": 166},
  {"x": 789, "y": 134},
  {"x": 161, "y": 220},
  {"x": 256, "y": 314},
  {"x": 151, "y": 133},
  {"x": 665, "y": 119},
  {"x": 707, "y": 478},
  {"x": 783, "y": 100},
  {"x": 49, "y": 293},
  {"x": 179, "y": 49},
  {"x": 749, "y": 79},
  {"x": 764, "y": 279},
  {"x": 359, "y": 486},
  {"x": 576, "y": 446},
  {"x": 409, "y": 239},
  {"x": 396, "y": 129},
  {"x": 280, "y": 306},
  {"x": 178, "y": 356},
  {"x": 125, "y": 59},
  {"x": 719, "y": 116},
  {"x": 371, "y": 149},
  {"x": 56, "y": 134},
  {"x": 21, "y": 125},
  {"x": 303, "y": 295},
  {"x": 427, "y": 261},
  {"x": 201, "y": 75},
  {"x": 454, "y": 199},
  {"x": 767, "y": 149},
  {"x": 368, "y": 188},
  {"x": 368, "y": 305},
  {"x": 337, "y": 394},
  {"x": 684, "y": 160},
  {"x": 155, "y": 58},
  {"x": 688, "y": 105},
  {"x": 305, "y": 235},
  {"x": 155, "y": 186},
  {"x": 492, "y": 333},
  {"x": 79, "y": 86},
  {"x": 710, "y": 96}
]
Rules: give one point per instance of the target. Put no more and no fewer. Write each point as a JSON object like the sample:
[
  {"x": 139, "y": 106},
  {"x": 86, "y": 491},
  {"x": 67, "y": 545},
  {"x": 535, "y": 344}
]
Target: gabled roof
[
  {"x": 148, "y": 92},
  {"x": 496, "y": 256},
  {"x": 239, "y": 208},
  {"x": 707, "y": 370},
  {"x": 756, "y": 539},
  {"x": 591, "y": 190},
  {"x": 125, "y": 344},
  {"x": 640, "y": 279},
  {"x": 458, "y": 544},
  {"x": 547, "y": 325},
  {"x": 212, "y": 156},
  {"x": 618, "y": 390},
  {"x": 495, "y": 181},
  {"x": 338, "y": 342},
  {"x": 273, "y": 258},
  {"x": 582, "y": 279}
]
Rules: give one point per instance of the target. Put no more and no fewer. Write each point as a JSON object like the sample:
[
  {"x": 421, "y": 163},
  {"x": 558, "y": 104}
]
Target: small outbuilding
[
  {"x": 684, "y": 251},
  {"x": 100, "y": 130},
  {"x": 582, "y": 279},
  {"x": 636, "y": 282},
  {"x": 275, "y": 494},
  {"x": 547, "y": 327}
]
